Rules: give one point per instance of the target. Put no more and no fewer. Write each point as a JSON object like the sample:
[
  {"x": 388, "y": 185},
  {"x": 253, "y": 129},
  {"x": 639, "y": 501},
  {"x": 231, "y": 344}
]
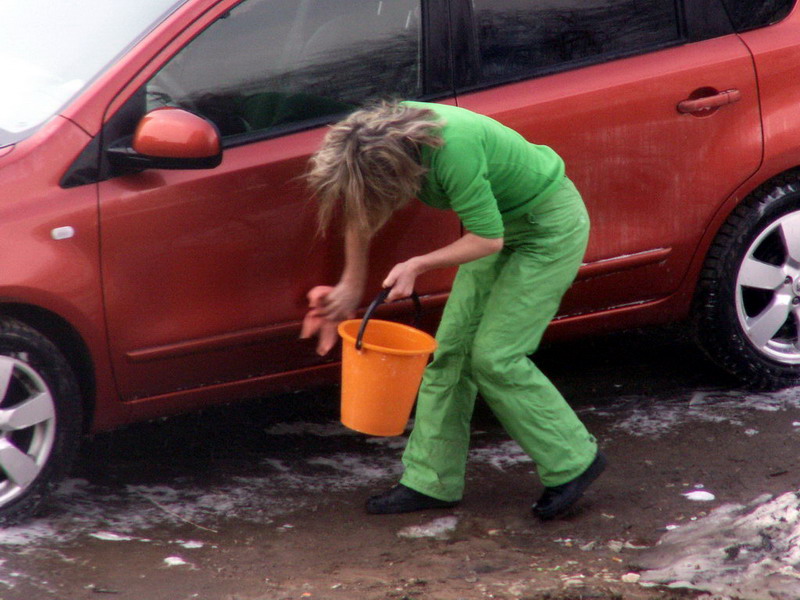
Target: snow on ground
[
  {"x": 735, "y": 546},
  {"x": 438, "y": 528},
  {"x": 82, "y": 508},
  {"x": 750, "y": 551},
  {"x": 648, "y": 417}
]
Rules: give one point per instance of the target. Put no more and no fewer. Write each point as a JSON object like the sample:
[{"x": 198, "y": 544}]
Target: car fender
[{"x": 49, "y": 245}]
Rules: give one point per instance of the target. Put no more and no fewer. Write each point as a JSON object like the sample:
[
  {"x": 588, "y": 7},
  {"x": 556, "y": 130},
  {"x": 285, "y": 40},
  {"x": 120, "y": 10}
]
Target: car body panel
[
  {"x": 776, "y": 59},
  {"x": 60, "y": 276},
  {"x": 205, "y": 273},
  {"x": 622, "y": 138}
]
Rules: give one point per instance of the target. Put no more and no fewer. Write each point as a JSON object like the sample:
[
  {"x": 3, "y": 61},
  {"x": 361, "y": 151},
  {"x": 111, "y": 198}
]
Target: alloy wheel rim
[
  {"x": 27, "y": 427},
  {"x": 768, "y": 291}
]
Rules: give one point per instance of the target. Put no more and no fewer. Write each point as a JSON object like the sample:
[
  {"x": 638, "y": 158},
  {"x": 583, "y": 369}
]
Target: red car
[{"x": 157, "y": 241}]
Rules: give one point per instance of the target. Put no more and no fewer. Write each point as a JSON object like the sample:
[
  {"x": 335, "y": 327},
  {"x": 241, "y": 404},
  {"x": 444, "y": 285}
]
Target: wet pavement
[{"x": 263, "y": 500}]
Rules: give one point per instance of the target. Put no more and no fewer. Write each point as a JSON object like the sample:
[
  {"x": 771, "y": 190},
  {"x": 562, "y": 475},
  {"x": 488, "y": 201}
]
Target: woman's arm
[
  {"x": 345, "y": 297},
  {"x": 467, "y": 248}
]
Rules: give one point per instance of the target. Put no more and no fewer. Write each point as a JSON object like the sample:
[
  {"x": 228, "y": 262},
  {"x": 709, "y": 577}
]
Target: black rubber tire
[
  {"x": 715, "y": 320},
  {"x": 27, "y": 345}
]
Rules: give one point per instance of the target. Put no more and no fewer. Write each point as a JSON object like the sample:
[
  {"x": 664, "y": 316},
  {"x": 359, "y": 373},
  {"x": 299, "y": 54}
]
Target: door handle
[{"x": 695, "y": 105}]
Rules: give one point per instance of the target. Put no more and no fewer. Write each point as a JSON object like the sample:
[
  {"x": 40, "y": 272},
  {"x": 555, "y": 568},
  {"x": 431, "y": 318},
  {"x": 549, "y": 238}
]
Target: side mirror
[{"x": 169, "y": 138}]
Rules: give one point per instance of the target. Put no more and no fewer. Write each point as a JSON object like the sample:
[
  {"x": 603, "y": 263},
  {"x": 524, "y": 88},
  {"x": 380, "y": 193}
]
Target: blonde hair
[{"x": 369, "y": 164}]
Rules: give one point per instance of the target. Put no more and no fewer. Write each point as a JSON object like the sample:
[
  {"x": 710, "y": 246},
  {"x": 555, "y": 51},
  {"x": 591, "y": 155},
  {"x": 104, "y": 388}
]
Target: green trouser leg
[{"x": 495, "y": 317}]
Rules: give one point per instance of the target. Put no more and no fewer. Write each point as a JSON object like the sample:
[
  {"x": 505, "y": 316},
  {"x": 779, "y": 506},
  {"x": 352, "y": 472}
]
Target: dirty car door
[
  {"x": 609, "y": 86},
  {"x": 206, "y": 272}
]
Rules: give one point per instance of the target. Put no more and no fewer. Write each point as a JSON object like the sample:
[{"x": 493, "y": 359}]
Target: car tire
[
  {"x": 747, "y": 306},
  {"x": 40, "y": 419}
]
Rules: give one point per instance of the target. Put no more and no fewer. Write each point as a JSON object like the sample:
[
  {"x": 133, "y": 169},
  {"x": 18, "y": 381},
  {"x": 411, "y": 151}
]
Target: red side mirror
[
  {"x": 169, "y": 138},
  {"x": 175, "y": 133}
]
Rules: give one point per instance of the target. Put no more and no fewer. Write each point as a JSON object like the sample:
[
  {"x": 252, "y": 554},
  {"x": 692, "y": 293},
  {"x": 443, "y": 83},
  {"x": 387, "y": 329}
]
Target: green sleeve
[{"x": 461, "y": 169}]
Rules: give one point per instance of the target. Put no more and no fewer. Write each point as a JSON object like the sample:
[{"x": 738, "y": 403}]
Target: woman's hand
[
  {"x": 342, "y": 301},
  {"x": 467, "y": 248},
  {"x": 401, "y": 279}
]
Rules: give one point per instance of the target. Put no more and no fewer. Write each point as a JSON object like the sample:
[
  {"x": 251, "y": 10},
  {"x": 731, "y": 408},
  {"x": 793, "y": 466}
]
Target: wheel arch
[
  {"x": 745, "y": 192},
  {"x": 69, "y": 342},
  {"x": 748, "y": 189}
]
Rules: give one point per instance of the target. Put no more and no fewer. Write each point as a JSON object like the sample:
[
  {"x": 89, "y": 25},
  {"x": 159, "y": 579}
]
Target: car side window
[
  {"x": 518, "y": 38},
  {"x": 746, "y": 14},
  {"x": 272, "y": 65}
]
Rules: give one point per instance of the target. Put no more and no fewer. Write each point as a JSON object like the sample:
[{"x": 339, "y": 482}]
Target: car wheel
[
  {"x": 747, "y": 310},
  {"x": 40, "y": 419}
]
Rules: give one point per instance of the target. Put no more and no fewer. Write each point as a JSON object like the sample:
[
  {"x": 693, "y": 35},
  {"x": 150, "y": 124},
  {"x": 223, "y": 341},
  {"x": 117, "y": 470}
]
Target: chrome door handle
[{"x": 695, "y": 105}]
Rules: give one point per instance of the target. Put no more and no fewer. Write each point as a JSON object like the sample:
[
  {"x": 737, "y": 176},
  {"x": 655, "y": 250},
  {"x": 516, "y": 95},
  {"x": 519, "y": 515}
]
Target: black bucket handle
[{"x": 380, "y": 299}]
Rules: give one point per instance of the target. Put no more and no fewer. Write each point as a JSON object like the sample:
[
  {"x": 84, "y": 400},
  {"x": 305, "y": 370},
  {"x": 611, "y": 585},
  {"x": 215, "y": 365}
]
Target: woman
[{"x": 525, "y": 232}]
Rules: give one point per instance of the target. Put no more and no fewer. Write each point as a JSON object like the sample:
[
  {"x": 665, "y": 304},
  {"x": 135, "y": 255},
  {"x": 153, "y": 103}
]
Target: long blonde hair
[{"x": 369, "y": 164}]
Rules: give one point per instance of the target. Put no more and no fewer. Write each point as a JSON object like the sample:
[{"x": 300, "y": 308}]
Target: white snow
[
  {"x": 699, "y": 496},
  {"x": 438, "y": 528},
  {"x": 110, "y": 537},
  {"x": 652, "y": 417},
  {"x": 501, "y": 456},
  {"x": 750, "y": 551}
]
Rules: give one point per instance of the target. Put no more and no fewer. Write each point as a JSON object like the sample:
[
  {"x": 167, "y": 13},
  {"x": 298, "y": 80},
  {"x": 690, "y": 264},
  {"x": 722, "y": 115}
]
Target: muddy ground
[{"x": 264, "y": 500}]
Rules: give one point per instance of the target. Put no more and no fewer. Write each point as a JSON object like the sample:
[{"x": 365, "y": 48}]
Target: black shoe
[
  {"x": 402, "y": 499},
  {"x": 555, "y": 500}
]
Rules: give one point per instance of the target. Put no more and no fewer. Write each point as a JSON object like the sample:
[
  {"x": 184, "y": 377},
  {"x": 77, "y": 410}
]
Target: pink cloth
[{"x": 315, "y": 323}]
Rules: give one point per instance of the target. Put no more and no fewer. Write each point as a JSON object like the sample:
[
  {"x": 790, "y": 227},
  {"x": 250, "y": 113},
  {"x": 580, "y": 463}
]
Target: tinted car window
[
  {"x": 748, "y": 14},
  {"x": 522, "y": 37},
  {"x": 271, "y": 64}
]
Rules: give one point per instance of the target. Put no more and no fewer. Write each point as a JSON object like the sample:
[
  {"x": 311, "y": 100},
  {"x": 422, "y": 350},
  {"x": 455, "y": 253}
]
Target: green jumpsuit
[{"x": 500, "y": 185}]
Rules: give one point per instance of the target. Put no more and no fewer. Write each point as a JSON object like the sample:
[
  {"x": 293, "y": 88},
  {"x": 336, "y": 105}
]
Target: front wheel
[
  {"x": 747, "y": 308},
  {"x": 40, "y": 419}
]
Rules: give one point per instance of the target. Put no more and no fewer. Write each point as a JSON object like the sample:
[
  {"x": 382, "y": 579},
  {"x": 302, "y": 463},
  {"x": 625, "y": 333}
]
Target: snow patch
[
  {"x": 743, "y": 551},
  {"x": 699, "y": 496},
  {"x": 501, "y": 456},
  {"x": 116, "y": 514},
  {"x": 438, "y": 528},
  {"x": 110, "y": 537},
  {"x": 391, "y": 443},
  {"x": 35, "y": 531},
  {"x": 652, "y": 417}
]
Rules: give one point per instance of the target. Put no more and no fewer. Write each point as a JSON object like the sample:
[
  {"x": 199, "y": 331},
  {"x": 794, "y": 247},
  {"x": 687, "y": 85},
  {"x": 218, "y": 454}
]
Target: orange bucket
[{"x": 381, "y": 379}]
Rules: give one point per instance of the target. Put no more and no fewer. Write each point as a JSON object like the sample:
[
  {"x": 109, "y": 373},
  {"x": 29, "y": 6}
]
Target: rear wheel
[
  {"x": 747, "y": 311},
  {"x": 40, "y": 419}
]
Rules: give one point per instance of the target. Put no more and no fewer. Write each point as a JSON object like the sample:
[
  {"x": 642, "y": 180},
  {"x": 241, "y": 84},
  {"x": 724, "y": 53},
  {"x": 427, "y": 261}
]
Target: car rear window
[
  {"x": 749, "y": 14},
  {"x": 516, "y": 38}
]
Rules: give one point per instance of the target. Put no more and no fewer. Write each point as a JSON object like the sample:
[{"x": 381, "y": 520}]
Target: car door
[
  {"x": 653, "y": 106},
  {"x": 205, "y": 272}
]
